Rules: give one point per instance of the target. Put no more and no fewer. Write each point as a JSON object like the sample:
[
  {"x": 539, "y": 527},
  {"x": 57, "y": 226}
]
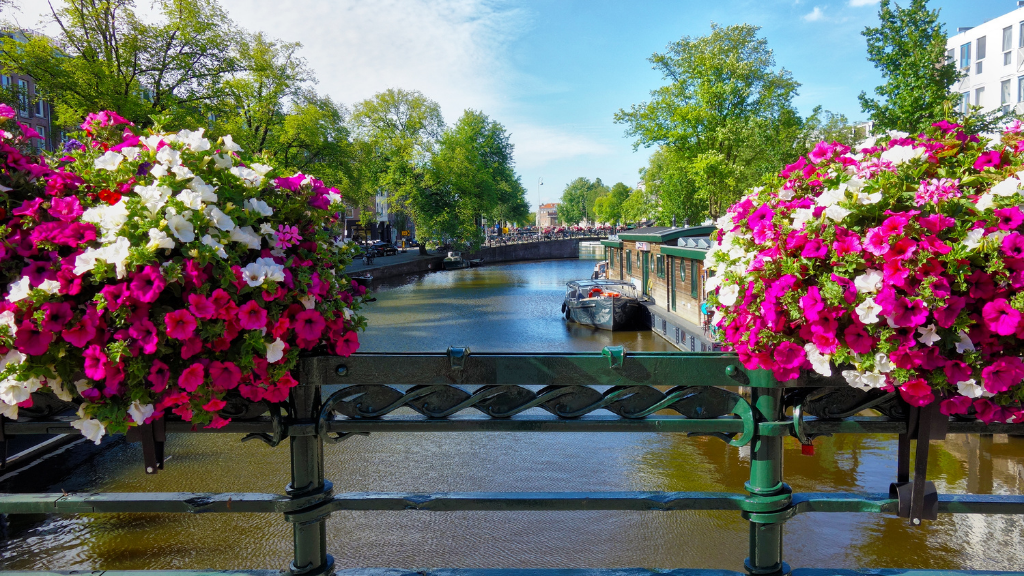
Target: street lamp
[{"x": 540, "y": 182}]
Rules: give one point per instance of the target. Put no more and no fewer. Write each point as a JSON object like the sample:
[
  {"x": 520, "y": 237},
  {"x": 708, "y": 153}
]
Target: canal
[{"x": 514, "y": 307}]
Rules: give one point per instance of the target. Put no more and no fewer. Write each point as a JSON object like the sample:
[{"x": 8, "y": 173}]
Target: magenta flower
[
  {"x": 789, "y": 355},
  {"x": 936, "y": 223},
  {"x": 58, "y": 314},
  {"x": 1002, "y": 374},
  {"x": 909, "y": 313},
  {"x": 1009, "y": 218},
  {"x": 893, "y": 225},
  {"x": 191, "y": 347},
  {"x": 822, "y": 151},
  {"x": 1000, "y": 317},
  {"x": 115, "y": 295},
  {"x": 191, "y": 378},
  {"x": 251, "y": 316},
  {"x": 6, "y": 112},
  {"x": 80, "y": 334},
  {"x": 201, "y": 306},
  {"x": 347, "y": 344},
  {"x": 293, "y": 183},
  {"x": 144, "y": 332},
  {"x": 28, "y": 208},
  {"x": 945, "y": 126},
  {"x": 1013, "y": 245},
  {"x": 66, "y": 209},
  {"x": 31, "y": 341},
  {"x": 309, "y": 325},
  {"x": 917, "y": 392},
  {"x": 815, "y": 248},
  {"x": 876, "y": 242},
  {"x": 957, "y": 371},
  {"x": 224, "y": 375},
  {"x": 955, "y": 405},
  {"x": 988, "y": 411},
  {"x": 287, "y": 236},
  {"x": 159, "y": 373},
  {"x": 147, "y": 284},
  {"x": 858, "y": 340},
  {"x": 991, "y": 158},
  {"x": 180, "y": 324},
  {"x": 763, "y": 214},
  {"x": 38, "y": 272},
  {"x": 95, "y": 362},
  {"x": 812, "y": 304},
  {"x": 903, "y": 249}
]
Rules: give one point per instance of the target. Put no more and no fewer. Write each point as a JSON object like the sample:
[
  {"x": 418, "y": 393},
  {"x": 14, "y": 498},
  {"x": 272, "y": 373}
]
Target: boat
[
  {"x": 600, "y": 271},
  {"x": 605, "y": 304},
  {"x": 455, "y": 261},
  {"x": 476, "y": 263}
]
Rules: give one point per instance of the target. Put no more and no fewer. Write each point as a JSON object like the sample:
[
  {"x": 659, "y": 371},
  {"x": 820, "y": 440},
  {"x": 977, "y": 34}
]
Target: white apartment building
[{"x": 991, "y": 57}]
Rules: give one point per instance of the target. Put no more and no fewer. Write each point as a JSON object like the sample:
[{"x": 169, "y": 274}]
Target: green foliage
[
  {"x": 725, "y": 109},
  {"x": 608, "y": 209},
  {"x": 578, "y": 198},
  {"x": 105, "y": 58},
  {"x": 909, "y": 48},
  {"x": 641, "y": 205}
]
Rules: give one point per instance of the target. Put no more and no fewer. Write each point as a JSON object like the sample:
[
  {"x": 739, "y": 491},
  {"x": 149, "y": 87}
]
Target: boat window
[
  {"x": 661, "y": 266},
  {"x": 682, "y": 270},
  {"x": 693, "y": 278},
  {"x": 629, "y": 262}
]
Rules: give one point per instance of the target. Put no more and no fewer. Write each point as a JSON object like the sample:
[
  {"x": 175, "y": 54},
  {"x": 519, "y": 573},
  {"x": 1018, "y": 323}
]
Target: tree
[
  {"x": 105, "y": 58},
  {"x": 640, "y": 206},
  {"x": 724, "y": 104},
  {"x": 909, "y": 48},
  {"x": 578, "y": 198},
  {"x": 609, "y": 208},
  {"x": 823, "y": 125}
]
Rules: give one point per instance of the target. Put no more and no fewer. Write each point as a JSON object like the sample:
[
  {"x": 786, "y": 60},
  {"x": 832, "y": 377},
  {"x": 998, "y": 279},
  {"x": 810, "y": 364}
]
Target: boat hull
[{"x": 606, "y": 313}]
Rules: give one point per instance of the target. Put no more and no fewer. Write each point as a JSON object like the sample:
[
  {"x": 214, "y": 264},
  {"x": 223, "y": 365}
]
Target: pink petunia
[
  {"x": 992, "y": 158},
  {"x": 1013, "y": 245},
  {"x": 955, "y": 405},
  {"x": 1009, "y": 218},
  {"x": 192, "y": 377},
  {"x": 214, "y": 405},
  {"x": 347, "y": 344},
  {"x": 309, "y": 325},
  {"x": 144, "y": 332},
  {"x": 917, "y": 392},
  {"x": 66, "y": 209},
  {"x": 58, "y": 314},
  {"x": 909, "y": 313},
  {"x": 957, "y": 371},
  {"x": 224, "y": 375},
  {"x": 31, "y": 341},
  {"x": 815, "y": 248},
  {"x": 858, "y": 340},
  {"x": 147, "y": 284},
  {"x": 80, "y": 334},
  {"x": 1000, "y": 317},
  {"x": 95, "y": 362},
  {"x": 159, "y": 374},
  {"x": 789, "y": 355},
  {"x": 180, "y": 324},
  {"x": 251, "y": 316},
  {"x": 201, "y": 306},
  {"x": 1002, "y": 374},
  {"x": 876, "y": 242}
]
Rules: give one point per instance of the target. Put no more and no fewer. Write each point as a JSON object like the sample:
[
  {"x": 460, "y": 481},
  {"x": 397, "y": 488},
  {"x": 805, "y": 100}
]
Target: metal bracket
[
  {"x": 616, "y": 355},
  {"x": 800, "y": 430},
  {"x": 918, "y": 499},
  {"x": 457, "y": 356},
  {"x": 152, "y": 435},
  {"x": 280, "y": 431}
]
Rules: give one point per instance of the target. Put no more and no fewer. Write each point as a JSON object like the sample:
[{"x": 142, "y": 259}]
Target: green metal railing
[{"x": 579, "y": 392}]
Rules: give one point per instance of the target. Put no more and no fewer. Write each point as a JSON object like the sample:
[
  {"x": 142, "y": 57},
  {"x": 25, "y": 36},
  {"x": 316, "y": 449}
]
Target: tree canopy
[{"x": 909, "y": 49}]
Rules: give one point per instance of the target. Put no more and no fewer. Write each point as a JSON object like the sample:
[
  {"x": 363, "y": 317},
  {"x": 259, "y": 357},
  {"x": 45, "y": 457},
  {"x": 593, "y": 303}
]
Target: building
[
  {"x": 667, "y": 266},
  {"x": 32, "y": 111},
  {"x": 548, "y": 215},
  {"x": 991, "y": 57}
]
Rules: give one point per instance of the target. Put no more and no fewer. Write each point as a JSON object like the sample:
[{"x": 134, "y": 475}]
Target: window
[
  {"x": 965, "y": 102},
  {"x": 629, "y": 262},
  {"x": 977, "y": 67},
  {"x": 979, "y": 96},
  {"x": 42, "y": 132},
  {"x": 1020, "y": 89},
  {"x": 950, "y": 56},
  {"x": 1007, "y": 58},
  {"x": 1004, "y": 93},
  {"x": 1020, "y": 37},
  {"x": 980, "y": 47},
  {"x": 23, "y": 98},
  {"x": 661, "y": 266},
  {"x": 5, "y": 80},
  {"x": 965, "y": 55},
  {"x": 40, "y": 109},
  {"x": 1007, "y": 38},
  {"x": 611, "y": 257},
  {"x": 693, "y": 278},
  {"x": 682, "y": 271}
]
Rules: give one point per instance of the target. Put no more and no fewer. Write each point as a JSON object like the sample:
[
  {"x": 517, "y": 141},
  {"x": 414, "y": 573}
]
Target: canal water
[{"x": 516, "y": 307}]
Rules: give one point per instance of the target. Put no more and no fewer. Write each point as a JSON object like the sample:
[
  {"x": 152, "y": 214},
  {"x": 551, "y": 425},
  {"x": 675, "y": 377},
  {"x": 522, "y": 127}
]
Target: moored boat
[
  {"x": 605, "y": 304},
  {"x": 454, "y": 261}
]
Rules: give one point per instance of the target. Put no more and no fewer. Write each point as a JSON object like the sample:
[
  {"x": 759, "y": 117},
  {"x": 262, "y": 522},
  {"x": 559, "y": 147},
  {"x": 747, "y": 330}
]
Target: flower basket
[
  {"x": 898, "y": 265},
  {"x": 152, "y": 274}
]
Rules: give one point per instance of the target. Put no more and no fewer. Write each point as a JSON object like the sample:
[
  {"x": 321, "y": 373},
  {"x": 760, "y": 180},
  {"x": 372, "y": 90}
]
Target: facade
[
  {"x": 31, "y": 111},
  {"x": 991, "y": 57},
  {"x": 667, "y": 265},
  {"x": 547, "y": 215}
]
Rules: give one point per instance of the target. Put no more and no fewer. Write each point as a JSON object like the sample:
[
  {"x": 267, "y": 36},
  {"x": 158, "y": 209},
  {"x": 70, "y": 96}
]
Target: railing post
[
  {"x": 766, "y": 479},
  {"x": 307, "y": 463}
]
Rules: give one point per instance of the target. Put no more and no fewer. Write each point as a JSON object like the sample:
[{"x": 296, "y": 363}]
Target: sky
[{"x": 554, "y": 72}]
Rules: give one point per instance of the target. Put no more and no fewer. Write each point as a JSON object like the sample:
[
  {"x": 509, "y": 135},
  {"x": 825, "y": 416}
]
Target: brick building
[
  {"x": 31, "y": 111},
  {"x": 667, "y": 265},
  {"x": 548, "y": 215}
]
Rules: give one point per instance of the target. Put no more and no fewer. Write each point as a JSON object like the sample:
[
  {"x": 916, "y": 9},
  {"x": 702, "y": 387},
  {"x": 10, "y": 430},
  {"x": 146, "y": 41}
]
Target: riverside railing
[{"x": 668, "y": 392}]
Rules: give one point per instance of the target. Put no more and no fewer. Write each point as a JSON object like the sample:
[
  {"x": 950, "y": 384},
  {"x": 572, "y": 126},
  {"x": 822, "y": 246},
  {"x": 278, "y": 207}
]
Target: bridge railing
[{"x": 610, "y": 391}]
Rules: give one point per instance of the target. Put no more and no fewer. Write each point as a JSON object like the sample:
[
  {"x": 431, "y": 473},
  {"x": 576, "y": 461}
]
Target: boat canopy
[{"x": 584, "y": 287}]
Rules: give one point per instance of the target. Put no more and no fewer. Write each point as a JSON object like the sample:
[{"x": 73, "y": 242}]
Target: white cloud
[
  {"x": 538, "y": 145},
  {"x": 814, "y": 15},
  {"x": 858, "y": 3}
]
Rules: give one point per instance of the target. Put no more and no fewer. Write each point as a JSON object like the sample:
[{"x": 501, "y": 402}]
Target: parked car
[{"x": 384, "y": 248}]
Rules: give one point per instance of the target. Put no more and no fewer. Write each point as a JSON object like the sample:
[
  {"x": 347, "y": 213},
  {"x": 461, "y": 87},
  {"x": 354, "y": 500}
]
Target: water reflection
[{"x": 516, "y": 308}]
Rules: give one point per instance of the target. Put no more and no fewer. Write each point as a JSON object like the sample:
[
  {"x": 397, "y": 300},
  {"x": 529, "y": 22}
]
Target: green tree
[
  {"x": 726, "y": 104},
  {"x": 105, "y": 58},
  {"x": 578, "y": 199},
  {"x": 640, "y": 206},
  {"x": 909, "y": 49},
  {"x": 609, "y": 208}
]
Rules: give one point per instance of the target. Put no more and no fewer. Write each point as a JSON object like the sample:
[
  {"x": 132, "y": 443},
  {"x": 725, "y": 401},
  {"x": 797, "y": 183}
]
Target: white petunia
[
  {"x": 727, "y": 296},
  {"x": 869, "y": 282},
  {"x": 130, "y": 152},
  {"x": 1007, "y": 187},
  {"x": 13, "y": 392},
  {"x": 191, "y": 199},
  {"x": 116, "y": 254},
  {"x": 9, "y": 410},
  {"x": 245, "y": 235},
  {"x": 158, "y": 171},
  {"x": 182, "y": 172},
  {"x": 965, "y": 344},
  {"x": 7, "y": 319},
  {"x": 882, "y": 363},
  {"x": 902, "y": 154},
  {"x": 12, "y": 357},
  {"x": 229, "y": 144},
  {"x": 206, "y": 191},
  {"x": 856, "y": 379},
  {"x": 928, "y": 335},
  {"x": 267, "y": 230},
  {"x": 970, "y": 388},
  {"x": 159, "y": 239},
  {"x": 853, "y": 185},
  {"x": 819, "y": 362},
  {"x": 215, "y": 244},
  {"x": 152, "y": 142},
  {"x": 91, "y": 428},
  {"x": 139, "y": 412},
  {"x": 973, "y": 238},
  {"x": 274, "y": 271},
  {"x": 108, "y": 218},
  {"x": 109, "y": 161},
  {"x": 308, "y": 301},
  {"x": 261, "y": 169},
  {"x": 801, "y": 216},
  {"x": 168, "y": 156},
  {"x": 831, "y": 197},
  {"x": 219, "y": 219},
  {"x": 334, "y": 198},
  {"x": 249, "y": 177},
  {"x": 19, "y": 290},
  {"x": 49, "y": 286},
  {"x": 873, "y": 379},
  {"x": 181, "y": 228},
  {"x": 194, "y": 140},
  {"x": 275, "y": 351},
  {"x": 786, "y": 194},
  {"x": 154, "y": 197},
  {"x": 837, "y": 213},
  {"x": 868, "y": 199},
  {"x": 222, "y": 161},
  {"x": 57, "y": 385},
  {"x": 867, "y": 311},
  {"x": 253, "y": 275},
  {"x": 985, "y": 202}
]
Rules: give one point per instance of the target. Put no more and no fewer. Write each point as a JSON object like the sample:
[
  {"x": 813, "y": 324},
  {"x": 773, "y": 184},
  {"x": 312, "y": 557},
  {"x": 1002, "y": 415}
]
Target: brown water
[{"x": 515, "y": 307}]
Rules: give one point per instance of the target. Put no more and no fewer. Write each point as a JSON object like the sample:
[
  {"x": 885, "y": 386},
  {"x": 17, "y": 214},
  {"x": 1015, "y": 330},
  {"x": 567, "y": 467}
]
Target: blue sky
[{"x": 554, "y": 72}]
